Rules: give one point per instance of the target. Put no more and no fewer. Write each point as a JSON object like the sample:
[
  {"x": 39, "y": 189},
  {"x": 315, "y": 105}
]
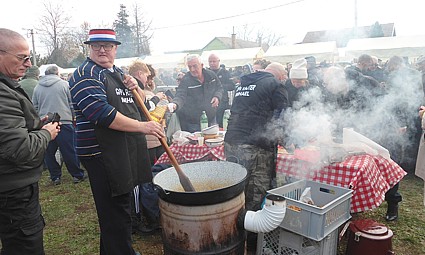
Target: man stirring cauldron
[{"x": 110, "y": 138}]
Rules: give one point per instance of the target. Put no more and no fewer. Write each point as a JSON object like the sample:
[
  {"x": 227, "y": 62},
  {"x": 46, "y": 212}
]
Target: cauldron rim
[{"x": 202, "y": 197}]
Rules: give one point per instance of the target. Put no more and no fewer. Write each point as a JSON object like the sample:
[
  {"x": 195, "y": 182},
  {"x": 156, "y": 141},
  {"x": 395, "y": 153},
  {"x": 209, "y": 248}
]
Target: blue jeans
[{"x": 65, "y": 141}]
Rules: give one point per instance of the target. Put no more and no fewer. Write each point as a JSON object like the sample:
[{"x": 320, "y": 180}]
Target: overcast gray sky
[{"x": 191, "y": 24}]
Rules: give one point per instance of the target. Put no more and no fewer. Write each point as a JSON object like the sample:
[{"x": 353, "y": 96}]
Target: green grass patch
[{"x": 72, "y": 227}]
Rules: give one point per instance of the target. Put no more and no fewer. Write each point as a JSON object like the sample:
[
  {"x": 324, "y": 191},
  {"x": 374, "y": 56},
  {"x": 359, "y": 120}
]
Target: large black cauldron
[
  {"x": 204, "y": 222},
  {"x": 214, "y": 182}
]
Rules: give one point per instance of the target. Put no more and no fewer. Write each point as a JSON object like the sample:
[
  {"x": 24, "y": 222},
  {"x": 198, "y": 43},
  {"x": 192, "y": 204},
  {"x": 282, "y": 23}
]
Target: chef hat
[{"x": 299, "y": 69}]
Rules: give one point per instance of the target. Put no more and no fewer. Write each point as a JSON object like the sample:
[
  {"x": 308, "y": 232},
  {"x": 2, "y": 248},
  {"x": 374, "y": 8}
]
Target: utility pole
[
  {"x": 33, "y": 47},
  {"x": 355, "y": 19},
  {"x": 355, "y": 13},
  {"x": 31, "y": 31}
]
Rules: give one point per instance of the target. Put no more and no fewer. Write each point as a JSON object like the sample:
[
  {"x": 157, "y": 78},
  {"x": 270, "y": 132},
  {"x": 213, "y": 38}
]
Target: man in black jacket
[
  {"x": 228, "y": 85},
  {"x": 23, "y": 141},
  {"x": 200, "y": 90},
  {"x": 249, "y": 139}
]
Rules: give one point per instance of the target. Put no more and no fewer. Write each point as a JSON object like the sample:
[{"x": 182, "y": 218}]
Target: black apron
[{"x": 125, "y": 154}]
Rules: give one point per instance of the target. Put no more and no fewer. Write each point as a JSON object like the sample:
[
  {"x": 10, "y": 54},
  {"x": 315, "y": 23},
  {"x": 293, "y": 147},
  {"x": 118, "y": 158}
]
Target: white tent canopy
[
  {"x": 68, "y": 70},
  {"x": 120, "y": 62},
  {"x": 235, "y": 57},
  {"x": 166, "y": 61},
  {"x": 289, "y": 53},
  {"x": 386, "y": 47},
  {"x": 43, "y": 68}
]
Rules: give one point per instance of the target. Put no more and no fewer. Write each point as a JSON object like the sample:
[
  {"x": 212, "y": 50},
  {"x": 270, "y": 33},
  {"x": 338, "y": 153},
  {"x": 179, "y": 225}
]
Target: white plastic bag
[
  {"x": 173, "y": 126},
  {"x": 180, "y": 137},
  {"x": 306, "y": 196}
]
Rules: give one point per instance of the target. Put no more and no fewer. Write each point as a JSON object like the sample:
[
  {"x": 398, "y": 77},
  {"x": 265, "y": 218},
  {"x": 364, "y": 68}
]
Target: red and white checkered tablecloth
[
  {"x": 369, "y": 176},
  {"x": 192, "y": 152}
]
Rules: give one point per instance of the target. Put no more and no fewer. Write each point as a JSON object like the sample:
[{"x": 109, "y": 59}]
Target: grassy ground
[
  {"x": 71, "y": 222},
  {"x": 409, "y": 229}
]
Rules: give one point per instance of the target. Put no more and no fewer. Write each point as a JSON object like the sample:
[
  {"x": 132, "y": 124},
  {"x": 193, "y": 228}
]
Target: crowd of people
[{"x": 103, "y": 134}]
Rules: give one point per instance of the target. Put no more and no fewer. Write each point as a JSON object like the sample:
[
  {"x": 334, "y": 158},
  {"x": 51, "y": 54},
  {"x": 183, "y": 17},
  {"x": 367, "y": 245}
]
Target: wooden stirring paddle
[{"x": 184, "y": 180}]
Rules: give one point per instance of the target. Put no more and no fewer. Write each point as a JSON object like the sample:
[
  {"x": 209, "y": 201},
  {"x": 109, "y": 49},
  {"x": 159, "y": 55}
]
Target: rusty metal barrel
[{"x": 205, "y": 221}]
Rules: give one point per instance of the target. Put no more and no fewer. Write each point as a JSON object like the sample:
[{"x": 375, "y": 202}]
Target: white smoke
[
  {"x": 309, "y": 120},
  {"x": 312, "y": 120}
]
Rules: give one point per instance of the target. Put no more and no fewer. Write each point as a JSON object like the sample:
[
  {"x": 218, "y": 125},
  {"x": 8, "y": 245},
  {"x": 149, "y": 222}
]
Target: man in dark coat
[
  {"x": 259, "y": 99},
  {"x": 401, "y": 133},
  {"x": 315, "y": 75},
  {"x": 228, "y": 85},
  {"x": 200, "y": 90}
]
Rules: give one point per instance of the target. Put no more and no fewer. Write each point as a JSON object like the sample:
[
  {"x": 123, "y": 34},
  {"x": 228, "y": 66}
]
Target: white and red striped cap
[{"x": 102, "y": 35}]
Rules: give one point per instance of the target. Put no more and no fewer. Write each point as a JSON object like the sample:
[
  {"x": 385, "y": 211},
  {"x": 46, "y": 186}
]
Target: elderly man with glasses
[
  {"x": 111, "y": 141},
  {"x": 199, "y": 90},
  {"x": 23, "y": 141}
]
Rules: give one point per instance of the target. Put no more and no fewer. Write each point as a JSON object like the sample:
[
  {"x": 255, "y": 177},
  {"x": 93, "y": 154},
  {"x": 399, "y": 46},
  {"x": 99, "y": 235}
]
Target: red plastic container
[{"x": 368, "y": 237}]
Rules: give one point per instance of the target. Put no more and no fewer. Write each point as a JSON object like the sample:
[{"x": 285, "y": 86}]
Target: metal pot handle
[
  {"x": 163, "y": 190},
  {"x": 236, "y": 159}
]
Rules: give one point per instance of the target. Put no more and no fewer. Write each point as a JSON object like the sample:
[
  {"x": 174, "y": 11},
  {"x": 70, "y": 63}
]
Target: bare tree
[
  {"x": 52, "y": 27},
  {"x": 80, "y": 36},
  {"x": 141, "y": 28},
  {"x": 68, "y": 48},
  {"x": 262, "y": 36},
  {"x": 245, "y": 33},
  {"x": 267, "y": 38}
]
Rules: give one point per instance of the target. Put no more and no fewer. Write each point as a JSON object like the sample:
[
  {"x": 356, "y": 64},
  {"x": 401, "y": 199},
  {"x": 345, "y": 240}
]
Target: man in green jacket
[
  {"x": 23, "y": 141},
  {"x": 30, "y": 80}
]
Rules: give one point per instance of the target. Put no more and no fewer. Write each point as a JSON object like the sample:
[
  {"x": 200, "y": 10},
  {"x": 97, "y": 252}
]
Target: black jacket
[
  {"x": 226, "y": 82},
  {"x": 192, "y": 97},
  {"x": 258, "y": 99},
  {"x": 22, "y": 141},
  {"x": 365, "y": 89}
]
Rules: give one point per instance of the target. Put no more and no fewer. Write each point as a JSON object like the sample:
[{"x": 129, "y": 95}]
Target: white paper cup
[{"x": 200, "y": 140}]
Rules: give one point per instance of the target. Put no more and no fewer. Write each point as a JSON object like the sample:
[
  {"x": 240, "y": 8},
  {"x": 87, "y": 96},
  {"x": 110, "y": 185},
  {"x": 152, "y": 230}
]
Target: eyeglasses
[
  {"x": 106, "y": 47},
  {"x": 22, "y": 58},
  {"x": 193, "y": 66}
]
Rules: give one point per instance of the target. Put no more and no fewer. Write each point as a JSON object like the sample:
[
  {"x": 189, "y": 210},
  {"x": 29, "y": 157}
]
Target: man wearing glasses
[
  {"x": 110, "y": 138},
  {"x": 23, "y": 58},
  {"x": 23, "y": 141},
  {"x": 199, "y": 90}
]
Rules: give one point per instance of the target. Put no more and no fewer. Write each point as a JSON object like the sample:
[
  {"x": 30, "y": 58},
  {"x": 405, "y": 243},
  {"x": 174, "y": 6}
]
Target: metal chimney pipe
[{"x": 233, "y": 39}]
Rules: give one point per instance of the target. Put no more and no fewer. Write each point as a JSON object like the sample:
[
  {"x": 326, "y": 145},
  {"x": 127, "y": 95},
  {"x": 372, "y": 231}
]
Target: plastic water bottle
[
  {"x": 226, "y": 117},
  {"x": 204, "y": 120}
]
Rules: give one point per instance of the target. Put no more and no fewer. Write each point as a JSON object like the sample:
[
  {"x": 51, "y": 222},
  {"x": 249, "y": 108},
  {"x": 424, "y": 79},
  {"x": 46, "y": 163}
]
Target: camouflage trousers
[{"x": 261, "y": 167}]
